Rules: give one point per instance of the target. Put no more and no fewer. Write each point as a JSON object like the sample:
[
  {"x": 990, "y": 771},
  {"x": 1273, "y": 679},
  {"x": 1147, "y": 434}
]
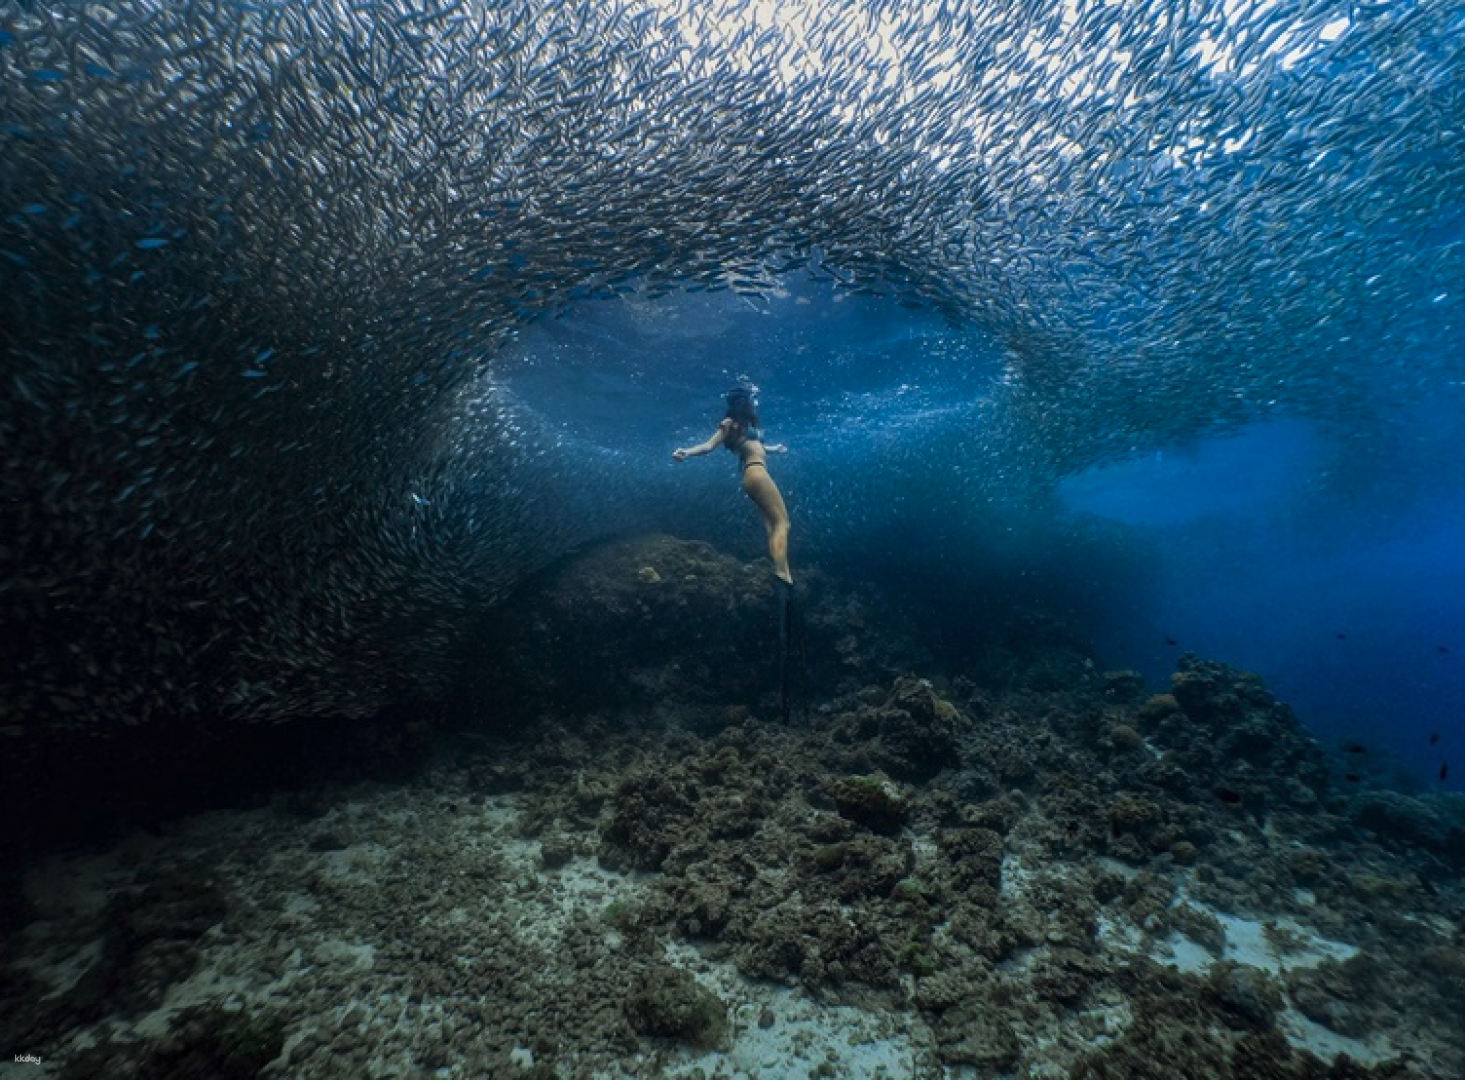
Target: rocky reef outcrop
[{"x": 656, "y": 619}]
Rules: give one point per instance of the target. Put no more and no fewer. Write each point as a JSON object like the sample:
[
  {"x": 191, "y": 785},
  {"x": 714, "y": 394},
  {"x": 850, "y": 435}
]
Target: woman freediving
[{"x": 739, "y": 432}]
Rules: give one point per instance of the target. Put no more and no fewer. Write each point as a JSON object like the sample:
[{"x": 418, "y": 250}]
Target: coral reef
[{"x": 1032, "y": 867}]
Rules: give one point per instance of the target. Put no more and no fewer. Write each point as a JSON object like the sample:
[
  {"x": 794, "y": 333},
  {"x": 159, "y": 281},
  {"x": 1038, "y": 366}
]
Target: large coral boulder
[
  {"x": 653, "y": 618},
  {"x": 1223, "y": 724}
]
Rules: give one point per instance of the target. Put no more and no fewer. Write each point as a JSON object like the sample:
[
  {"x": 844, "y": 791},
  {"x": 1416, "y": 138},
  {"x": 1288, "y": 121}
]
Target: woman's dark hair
[{"x": 740, "y": 407}]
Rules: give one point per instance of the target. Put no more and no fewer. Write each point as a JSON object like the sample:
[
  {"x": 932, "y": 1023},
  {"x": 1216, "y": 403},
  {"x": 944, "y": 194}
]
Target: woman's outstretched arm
[{"x": 702, "y": 448}]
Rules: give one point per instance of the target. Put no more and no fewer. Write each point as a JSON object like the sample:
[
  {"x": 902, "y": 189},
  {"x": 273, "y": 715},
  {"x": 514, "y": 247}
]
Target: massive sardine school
[{"x": 257, "y": 259}]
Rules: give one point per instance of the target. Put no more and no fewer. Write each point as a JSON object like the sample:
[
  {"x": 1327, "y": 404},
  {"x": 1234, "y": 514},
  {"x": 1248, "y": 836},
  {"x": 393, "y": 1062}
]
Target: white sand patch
[
  {"x": 1275, "y": 945},
  {"x": 1120, "y": 935},
  {"x": 1279, "y": 944},
  {"x": 578, "y": 889},
  {"x": 803, "y": 1033},
  {"x": 349, "y": 954},
  {"x": 299, "y": 904},
  {"x": 1016, "y": 878},
  {"x": 1306, "y": 1035},
  {"x": 206, "y": 986}
]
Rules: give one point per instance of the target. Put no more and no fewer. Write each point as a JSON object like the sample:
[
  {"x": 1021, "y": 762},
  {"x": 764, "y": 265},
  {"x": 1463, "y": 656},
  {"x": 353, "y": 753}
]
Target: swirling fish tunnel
[{"x": 257, "y": 262}]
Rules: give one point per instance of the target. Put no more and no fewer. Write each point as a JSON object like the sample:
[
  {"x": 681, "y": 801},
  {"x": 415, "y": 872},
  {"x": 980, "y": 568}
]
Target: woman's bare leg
[{"x": 769, "y": 500}]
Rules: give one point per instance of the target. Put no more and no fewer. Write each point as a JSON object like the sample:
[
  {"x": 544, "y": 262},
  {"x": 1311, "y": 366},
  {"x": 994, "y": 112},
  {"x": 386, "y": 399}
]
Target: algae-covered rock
[
  {"x": 150, "y": 942},
  {"x": 1213, "y": 692},
  {"x": 1201, "y": 927},
  {"x": 1444, "y": 966},
  {"x": 1133, "y": 814},
  {"x": 870, "y": 867},
  {"x": 1227, "y": 730},
  {"x": 650, "y": 813},
  {"x": 875, "y": 802},
  {"x": 1125, "y": 739},
  {"x": 1158, "y": 707},
  {"x": 1247, "y": 995},
  {"x": 1138, "y": 828},
  {"x": 975, "y": 860},
  {"x": 556, "y": 850},
  {"x": 668, "y": 1003},
  {"x": 1352, "y": 996},
  {"x": 830, "y": 857},
  {"x": 918, "y": 732},
  {"x": 608, "y": 626},
  {"x": 1064, "y": 976},
  {"x": 976, "y": 1033}
]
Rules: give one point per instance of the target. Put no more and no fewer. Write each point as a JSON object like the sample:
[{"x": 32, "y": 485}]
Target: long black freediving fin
[{"x": 790, "y": 645}]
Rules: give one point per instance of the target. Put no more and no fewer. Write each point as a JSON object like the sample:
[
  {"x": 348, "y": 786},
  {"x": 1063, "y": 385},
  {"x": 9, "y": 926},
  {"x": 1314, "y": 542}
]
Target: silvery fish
[{"x": 239, "y": 244}]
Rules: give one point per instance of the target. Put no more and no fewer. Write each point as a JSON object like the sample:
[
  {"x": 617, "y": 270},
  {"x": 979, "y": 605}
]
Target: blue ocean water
[
  {"x": 1280, "y": 547},
  {"x": 1352, "y": 608}
]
